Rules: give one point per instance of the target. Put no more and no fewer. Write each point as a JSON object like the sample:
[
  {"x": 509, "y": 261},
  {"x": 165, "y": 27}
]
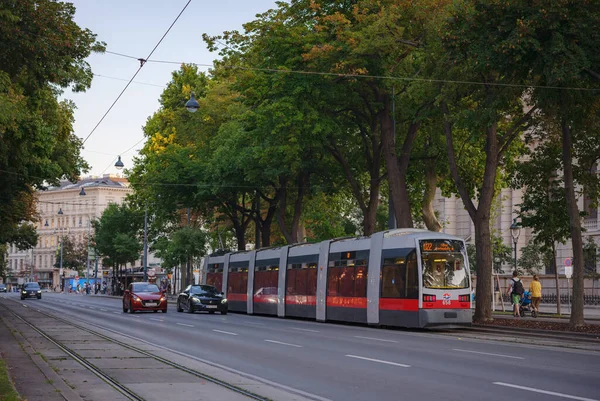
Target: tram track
[{"x": 101, "y": 373}]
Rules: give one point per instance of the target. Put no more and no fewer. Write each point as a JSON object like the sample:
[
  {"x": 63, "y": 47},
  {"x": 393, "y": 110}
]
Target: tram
[{"x": 400, "y": 277}]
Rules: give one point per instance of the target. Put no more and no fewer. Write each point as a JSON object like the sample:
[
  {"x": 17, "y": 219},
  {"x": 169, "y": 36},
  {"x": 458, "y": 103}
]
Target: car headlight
[
  {"x": 39, "y": 291},
  {"x": 24, "y": 292},
  {"x": 163, "y": 299},
  {"x": 224, "y": 301},
  {"x": 194, "y": 299},
  {"x": 136, "y": 298}
]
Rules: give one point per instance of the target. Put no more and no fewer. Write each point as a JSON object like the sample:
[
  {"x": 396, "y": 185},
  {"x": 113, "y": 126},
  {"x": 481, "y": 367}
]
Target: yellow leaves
[{"x": 159, "y": 142}]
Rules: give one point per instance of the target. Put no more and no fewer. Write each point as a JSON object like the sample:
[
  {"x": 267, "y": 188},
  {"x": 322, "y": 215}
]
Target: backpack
[{"x": 518, "y": 287}]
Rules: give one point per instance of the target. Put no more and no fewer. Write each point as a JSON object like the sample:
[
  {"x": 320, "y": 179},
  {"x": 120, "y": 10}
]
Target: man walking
[
  {"x": 516, "y": 291},
  {"x": 535, "y": 288}
]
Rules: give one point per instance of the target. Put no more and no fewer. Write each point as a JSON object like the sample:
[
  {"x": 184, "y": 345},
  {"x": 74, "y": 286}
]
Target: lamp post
[
  {"x": 82, "y": 193},
  {"x": 515, "y": 231}
]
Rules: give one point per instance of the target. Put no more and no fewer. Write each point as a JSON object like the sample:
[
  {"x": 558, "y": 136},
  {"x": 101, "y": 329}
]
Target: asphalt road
[{"x": 350, "y": 363}]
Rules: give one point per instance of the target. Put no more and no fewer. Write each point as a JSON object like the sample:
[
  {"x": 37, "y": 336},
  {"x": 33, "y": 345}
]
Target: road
[{"x": 350, "y": 363}]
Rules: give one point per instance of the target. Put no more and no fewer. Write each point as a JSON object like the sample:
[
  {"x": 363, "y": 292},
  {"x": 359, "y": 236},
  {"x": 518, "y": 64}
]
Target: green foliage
[
  {"x": 184, "y": 243},
  {"x": 3, "y": 261},
  {"x": 42, "y": 51},
  {"x": 535, "y": 258},
  {"x": 74, "y": 254},
  {"x": 501, "y": 255},
  {"x": 117, "y": 234}
]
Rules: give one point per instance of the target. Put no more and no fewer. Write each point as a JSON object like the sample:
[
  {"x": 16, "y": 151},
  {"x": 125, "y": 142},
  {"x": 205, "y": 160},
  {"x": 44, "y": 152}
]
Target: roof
[{"x": 106, "y": 181}]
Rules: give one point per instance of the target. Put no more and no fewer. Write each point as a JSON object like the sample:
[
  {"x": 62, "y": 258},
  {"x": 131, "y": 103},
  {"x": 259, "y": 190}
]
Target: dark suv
[{"x": 31, "y": 290}]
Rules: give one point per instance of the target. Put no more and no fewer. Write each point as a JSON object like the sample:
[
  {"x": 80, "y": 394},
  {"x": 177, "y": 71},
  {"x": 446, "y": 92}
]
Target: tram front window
[{"x": 444, "y": 264}]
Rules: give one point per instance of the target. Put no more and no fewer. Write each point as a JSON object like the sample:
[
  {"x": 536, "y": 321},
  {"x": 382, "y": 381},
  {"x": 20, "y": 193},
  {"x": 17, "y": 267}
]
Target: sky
[{"x": 134, "y": 27}]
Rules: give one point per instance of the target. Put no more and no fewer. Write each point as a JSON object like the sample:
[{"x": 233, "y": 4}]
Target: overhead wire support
[{"x": 142, "y": 63}]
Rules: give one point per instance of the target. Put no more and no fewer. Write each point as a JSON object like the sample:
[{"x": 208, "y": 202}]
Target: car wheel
[
  {"x": 179, "y": 308},
  {"x": 22, "y": 298},
  {"x": 211, "y": 312},
  {"x": 155, "y": 310},
  {"x": 190, "y": 308},
  {"x": 40, "y": 297},
  {"x": 131, "y": 309},
  {"x": 164, "y": 311},
  {"x": 124, "y": 309},
  {"x": 224, "y": 313}
]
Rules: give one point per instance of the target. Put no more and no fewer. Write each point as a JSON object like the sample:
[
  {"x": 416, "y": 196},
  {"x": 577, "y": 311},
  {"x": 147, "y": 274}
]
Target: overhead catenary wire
[
  {"x": 382, "y": 77},
  {"x": 142, "y": 63}
]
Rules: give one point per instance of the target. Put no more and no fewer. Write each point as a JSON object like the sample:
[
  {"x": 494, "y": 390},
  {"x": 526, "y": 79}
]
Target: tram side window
[
  {"x": 301, "y": 279},
  {"x": 399, "y": 278},
  {"x": 265, "y": 280},
  {"x": 237, "y": 282},
  {"x": 347, "y": 281}
]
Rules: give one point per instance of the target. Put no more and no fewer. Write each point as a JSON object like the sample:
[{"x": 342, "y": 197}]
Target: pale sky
[{"x": 133, "y": 27}]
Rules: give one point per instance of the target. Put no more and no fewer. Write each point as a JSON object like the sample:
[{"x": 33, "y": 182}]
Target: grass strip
[{"x": 7, "y": 390}]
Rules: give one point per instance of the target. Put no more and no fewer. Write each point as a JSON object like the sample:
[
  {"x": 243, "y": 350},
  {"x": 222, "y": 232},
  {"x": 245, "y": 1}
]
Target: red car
[{"x": 144, "y": 297}]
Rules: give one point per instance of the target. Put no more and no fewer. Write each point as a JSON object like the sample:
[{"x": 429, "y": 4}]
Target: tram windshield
[{"x": 444, "y": 264}]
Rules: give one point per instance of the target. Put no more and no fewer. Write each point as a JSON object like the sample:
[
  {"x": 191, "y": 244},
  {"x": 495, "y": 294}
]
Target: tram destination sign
[{"x": 440, "y": 246}]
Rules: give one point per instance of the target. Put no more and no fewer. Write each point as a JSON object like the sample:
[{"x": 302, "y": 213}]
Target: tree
[
  {"x": 116, "y": 234},
  {"x": 485, "y": 120},
  {"x": 74, "y": 254},
  {"x": 187, "y": 244},
  {"x": 544, "y": 207},
  {"x": 553, "y": 47},
  {"x": 42, "y": 51}
]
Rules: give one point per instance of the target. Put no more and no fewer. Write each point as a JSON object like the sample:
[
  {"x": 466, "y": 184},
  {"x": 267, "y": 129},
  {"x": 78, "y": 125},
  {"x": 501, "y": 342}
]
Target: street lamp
[
  {"x": 82, "y": 193},
  {"x": 515, "y": 231},
  {"x": 119, "y": 164},
  {"x": 192, "y": 105}
]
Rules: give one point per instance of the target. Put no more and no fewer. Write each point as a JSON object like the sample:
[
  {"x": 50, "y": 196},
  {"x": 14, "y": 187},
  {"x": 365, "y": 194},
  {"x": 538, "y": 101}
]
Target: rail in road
[{"x": 80, "y": 343}]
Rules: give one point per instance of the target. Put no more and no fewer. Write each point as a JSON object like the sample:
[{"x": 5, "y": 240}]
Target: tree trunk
[
  {"x": 556, "y": 280},
  {"x": 483, "y": 252},
  {"x": 431, "y": 221},
  {"x": 480, "y": 215},
  {"x": 575, "y": 221},
  {"x": 396, "y": 167}
]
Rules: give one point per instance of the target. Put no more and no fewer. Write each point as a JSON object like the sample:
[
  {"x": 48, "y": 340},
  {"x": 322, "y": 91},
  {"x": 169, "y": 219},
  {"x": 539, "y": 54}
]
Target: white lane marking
[
  {"x": 157, "y": 320},
  {"x": 183, "y": 324},
  {"x": 537, "y": 390},
  {"x": 103, "y": 310},
  {"x": 487, "y": 353},
  {"x": 309, "y": 330},
  {"x": 282, "y": 343},
  {"x": 91, "y": 307},
  {"x": 25, "y": 306},
  {"x": 225, "y": 332},
  {"x": 376, "y": 339},
  {"x": 118, "y": 313},
  {"x": 379, "y": 360}
]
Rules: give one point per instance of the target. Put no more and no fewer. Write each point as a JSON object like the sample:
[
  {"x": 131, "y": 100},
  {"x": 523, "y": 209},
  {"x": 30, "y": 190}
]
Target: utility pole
[{"x": 146, "y": 243}]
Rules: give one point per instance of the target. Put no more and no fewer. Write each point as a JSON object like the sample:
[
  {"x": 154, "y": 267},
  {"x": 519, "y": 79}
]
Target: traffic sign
[
  {"x": 568, "y": 271},
  {"x": 568, "y": 262},
  {"x": 151, "y": 273}
]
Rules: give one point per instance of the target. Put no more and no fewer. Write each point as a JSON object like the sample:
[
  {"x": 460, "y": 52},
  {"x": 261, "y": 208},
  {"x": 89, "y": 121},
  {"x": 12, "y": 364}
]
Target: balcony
[{"x": 590, "y": 224}]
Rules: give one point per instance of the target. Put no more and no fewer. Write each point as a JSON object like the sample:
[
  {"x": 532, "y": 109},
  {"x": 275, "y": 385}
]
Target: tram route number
[{"x": 429, "y": 246}]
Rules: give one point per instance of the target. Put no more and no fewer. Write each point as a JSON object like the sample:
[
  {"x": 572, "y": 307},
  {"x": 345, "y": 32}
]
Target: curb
[{"x": 549, "y": 333}]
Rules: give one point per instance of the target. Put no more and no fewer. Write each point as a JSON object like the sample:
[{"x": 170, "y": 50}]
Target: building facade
[
  {"x": 456, "y": 221},
  {"x": 64, "y": 211}
]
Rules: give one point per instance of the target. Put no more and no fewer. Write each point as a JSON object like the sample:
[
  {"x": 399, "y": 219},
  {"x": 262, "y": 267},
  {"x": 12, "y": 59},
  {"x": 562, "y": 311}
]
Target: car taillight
[
  {"x": 463, "y": 298},
  {"x": 429, "y": 298}
]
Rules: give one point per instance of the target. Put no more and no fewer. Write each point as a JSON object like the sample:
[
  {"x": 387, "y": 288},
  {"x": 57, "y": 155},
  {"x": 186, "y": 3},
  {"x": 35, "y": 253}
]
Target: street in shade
[{"x": 331, "y": 361}]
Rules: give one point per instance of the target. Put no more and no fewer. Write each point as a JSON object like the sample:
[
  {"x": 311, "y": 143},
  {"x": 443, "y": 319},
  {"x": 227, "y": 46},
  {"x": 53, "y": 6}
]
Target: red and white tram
[{"x": 402, "y": 277}]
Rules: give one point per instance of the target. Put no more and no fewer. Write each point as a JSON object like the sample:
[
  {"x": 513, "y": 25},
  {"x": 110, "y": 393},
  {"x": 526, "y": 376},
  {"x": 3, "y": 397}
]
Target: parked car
[
  {"x": 143, "y": 296},
  {"x": 202, "y": 298},
  {"x": 31, "y": 290},
  {"x": 3, "y": 288}
]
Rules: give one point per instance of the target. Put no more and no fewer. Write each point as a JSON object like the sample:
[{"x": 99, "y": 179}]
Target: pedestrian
[
  {"x": 516, "y": 291},
  {"x": 535, "y": 288}
]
